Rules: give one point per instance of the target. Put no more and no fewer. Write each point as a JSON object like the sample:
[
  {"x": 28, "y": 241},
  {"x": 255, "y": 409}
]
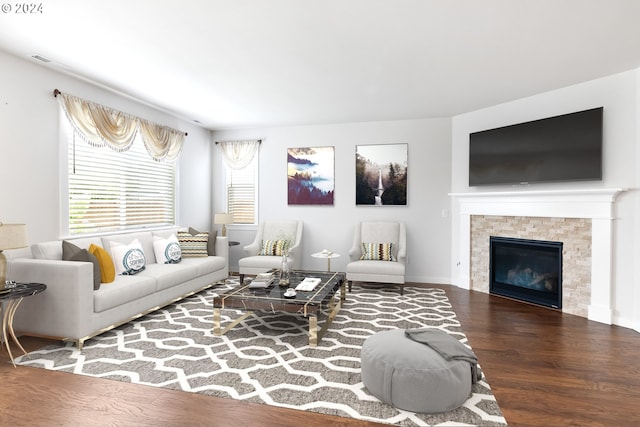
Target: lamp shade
[
  {"x": 223, "y": 218},
  {"x": 13, "y": 236}
]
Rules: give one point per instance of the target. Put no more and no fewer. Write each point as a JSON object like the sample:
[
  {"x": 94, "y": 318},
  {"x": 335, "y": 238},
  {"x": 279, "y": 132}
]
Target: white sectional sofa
[{"x": 72, "y": 310}]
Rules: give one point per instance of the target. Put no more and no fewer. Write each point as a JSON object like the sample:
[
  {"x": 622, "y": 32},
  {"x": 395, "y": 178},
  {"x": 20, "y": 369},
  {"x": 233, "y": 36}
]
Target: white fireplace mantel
[{"x": 595, "y": 204}]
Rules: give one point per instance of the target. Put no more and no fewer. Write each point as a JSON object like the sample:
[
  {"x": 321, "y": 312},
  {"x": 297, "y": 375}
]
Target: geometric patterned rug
[{"x": 266, "y": 358}]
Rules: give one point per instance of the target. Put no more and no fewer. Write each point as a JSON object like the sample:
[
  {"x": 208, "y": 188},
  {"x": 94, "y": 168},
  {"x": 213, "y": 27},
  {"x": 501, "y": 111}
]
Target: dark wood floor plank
[{"x": 545, "y": 368}]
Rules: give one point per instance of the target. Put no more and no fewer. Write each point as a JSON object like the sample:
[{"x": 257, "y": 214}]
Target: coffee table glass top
[{"x": 274, "y": 294}]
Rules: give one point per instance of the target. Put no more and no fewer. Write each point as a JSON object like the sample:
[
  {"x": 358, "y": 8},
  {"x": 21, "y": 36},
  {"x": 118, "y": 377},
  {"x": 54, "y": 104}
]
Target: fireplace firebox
[{"x": 526, "y": 270}]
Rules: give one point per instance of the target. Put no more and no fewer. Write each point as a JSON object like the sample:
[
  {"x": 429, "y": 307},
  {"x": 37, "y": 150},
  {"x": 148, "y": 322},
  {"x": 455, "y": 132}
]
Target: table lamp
[
  {"x": 12, "y": 236},
  {"x": 224, "y": 219}
]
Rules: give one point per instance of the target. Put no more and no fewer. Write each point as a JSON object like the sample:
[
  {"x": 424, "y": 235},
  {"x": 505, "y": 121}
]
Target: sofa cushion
[
  {"x": 206, "y": 265},
  {"x": 124, "y": 289},
  {"x": 129, "y": 259},
  {"x": 375, "y": 267},
  {"x": 168, "y": 275},
  {"x": 71, "y": 252},
  {"x": 193, "y": 245},
  {"x": 47, "y": 250},
  {"x": 263, "y": 262},
  {"x": 53, "y": 249},
  {"x": 107, "y": 268},
  {"x": 167, "y": 251},
  {"x": 378, "y": 252},
  {"x": 85, "y": 242}
]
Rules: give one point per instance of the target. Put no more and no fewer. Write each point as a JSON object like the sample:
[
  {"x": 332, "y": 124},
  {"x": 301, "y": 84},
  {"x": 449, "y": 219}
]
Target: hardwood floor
[{"x": 545, "y": 368}]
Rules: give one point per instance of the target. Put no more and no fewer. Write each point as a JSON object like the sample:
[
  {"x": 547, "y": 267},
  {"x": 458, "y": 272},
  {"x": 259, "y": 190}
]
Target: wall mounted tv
[{"x": 555, "y": 149}]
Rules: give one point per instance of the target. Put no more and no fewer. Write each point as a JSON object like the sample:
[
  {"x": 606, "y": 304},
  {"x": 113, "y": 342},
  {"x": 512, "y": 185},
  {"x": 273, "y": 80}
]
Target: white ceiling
[{"x": 255, "y": 63}]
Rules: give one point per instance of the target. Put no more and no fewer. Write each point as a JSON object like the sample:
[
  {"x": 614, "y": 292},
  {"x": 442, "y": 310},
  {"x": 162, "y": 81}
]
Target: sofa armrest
[
  {"x": 65, "y": 308},
  {"x": 222, "y": 249}
]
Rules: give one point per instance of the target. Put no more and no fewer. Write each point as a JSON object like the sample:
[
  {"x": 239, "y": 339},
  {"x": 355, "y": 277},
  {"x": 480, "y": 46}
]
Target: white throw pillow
[
  {"x": 167, "y": 250},
  {"x": 128, "y": 259}
]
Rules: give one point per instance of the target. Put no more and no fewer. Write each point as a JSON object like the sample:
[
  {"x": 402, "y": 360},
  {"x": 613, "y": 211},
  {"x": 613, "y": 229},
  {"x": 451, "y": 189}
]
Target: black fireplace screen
[{"x": 527, "y": 270}]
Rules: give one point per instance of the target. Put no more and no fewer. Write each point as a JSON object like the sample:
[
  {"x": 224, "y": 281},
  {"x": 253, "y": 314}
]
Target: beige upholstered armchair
[
  {"x": 378, "y": 253},
  {"x": 265, "y": 252}
]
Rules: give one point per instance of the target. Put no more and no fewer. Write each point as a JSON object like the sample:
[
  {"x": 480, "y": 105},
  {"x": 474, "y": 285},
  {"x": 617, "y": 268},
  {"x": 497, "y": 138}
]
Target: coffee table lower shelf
[{"x": 334, "y": 305}]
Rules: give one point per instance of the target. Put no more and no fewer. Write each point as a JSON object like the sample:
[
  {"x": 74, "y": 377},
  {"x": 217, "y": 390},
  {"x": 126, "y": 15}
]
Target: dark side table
[{"x": 10, "y": 299}]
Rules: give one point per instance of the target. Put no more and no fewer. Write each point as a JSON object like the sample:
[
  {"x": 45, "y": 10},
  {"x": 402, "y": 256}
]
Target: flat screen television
[{"x": 560, "y": 148}]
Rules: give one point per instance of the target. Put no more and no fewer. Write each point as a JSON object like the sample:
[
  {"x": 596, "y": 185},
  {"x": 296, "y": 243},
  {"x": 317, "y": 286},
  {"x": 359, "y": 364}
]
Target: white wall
[
  {"x": 29, "y": 148},
  {"x": 331, "y": 227},
  {"x": 618, "y": 94}
]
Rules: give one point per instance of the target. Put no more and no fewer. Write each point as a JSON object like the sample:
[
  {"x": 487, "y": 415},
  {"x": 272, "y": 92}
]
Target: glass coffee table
[{"x": 305, "y": 303}]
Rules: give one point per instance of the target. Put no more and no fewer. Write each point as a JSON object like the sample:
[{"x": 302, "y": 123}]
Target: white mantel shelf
[
  {"x": 580, "y": 203},
  {"x": 612, "y": 192},
  {"x": 595, "y": 204}
]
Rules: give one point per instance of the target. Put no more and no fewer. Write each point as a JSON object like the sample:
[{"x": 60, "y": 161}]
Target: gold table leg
[
  {"x": 313, "y": 331},
  {"x": 8, "y": 313},
  {"x": 315, "y": 336},
  {"x": 216, "y": 322}
]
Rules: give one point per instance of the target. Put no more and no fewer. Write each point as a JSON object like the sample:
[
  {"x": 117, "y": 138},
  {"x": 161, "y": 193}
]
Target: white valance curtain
[
  {"x": 239, "y": 154},
  {"x": 99, "y": 126}
]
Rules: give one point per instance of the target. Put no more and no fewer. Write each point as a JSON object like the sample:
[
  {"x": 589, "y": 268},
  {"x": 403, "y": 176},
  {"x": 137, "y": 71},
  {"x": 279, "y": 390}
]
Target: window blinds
[
  {"x": 241, "y": 194},
  {"x": 110, "y": 191}
]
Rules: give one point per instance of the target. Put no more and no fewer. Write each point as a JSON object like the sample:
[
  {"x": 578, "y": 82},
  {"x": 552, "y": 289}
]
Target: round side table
[
  {"x": 328, "y": 255},
  {"x": 10, "y": 299}
]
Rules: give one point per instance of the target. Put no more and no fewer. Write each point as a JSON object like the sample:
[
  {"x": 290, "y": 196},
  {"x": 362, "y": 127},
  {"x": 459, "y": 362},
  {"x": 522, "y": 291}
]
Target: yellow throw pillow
[{"x": 107, "y": 268}]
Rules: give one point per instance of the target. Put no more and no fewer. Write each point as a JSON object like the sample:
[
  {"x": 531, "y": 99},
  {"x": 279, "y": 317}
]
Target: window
[
  {"x": 242, "y": 193},
  {"x": 110, "y": 191}
]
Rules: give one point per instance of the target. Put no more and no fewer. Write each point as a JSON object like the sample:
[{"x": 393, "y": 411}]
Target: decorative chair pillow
[
  {"x": 129, "y": 259},
  {"x": 274, "y": 247},
  {"x": 167, "y": 250},
  {"x": 193, "y": 245},
  {"x": 378, "y": 252}
]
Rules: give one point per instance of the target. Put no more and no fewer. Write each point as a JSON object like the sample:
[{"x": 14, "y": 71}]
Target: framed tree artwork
[
  {"x": 310, "y": 175},
  {"x": 381, "y": 174}
]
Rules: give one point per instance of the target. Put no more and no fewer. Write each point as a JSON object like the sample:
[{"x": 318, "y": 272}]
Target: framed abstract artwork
[
  {"x": 310, "y": 175},
  {"x": 381, "y": 174}
]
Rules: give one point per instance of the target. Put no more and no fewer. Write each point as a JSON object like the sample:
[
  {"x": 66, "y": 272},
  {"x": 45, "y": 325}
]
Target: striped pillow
[
  {"x": 274, "y": 247},
  {"x": 378, "y": 252},
  {"x": 193, "y": 245}
]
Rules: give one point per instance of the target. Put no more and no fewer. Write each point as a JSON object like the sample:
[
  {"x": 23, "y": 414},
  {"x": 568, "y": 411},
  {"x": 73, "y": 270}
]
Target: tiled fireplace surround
[{"x": 581, "y": 219}]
